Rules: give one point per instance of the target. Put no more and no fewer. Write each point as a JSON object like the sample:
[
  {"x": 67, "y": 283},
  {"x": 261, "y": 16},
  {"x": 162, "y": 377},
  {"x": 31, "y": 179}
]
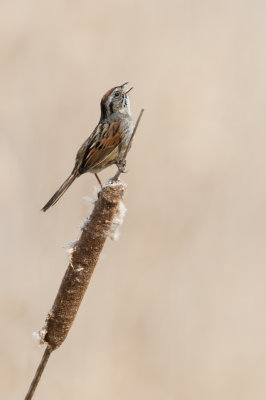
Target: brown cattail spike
[{"x": 84, "y": 257}]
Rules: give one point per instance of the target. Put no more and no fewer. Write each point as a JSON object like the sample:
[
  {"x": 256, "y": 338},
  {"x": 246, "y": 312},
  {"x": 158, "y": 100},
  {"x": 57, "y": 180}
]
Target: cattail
[{"x": 84, "y": 257}]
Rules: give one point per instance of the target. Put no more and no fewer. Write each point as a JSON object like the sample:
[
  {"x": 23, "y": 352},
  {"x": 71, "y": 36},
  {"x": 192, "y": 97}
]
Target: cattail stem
[{"x": 38, "y": 373}]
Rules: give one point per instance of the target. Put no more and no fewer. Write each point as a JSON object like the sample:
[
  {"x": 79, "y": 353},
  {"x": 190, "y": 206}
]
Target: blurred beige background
[{"x": 176, "y": 307}]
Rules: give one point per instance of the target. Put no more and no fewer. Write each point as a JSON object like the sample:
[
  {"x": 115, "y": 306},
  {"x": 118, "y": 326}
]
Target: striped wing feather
[{"x": 99, "y": 146}]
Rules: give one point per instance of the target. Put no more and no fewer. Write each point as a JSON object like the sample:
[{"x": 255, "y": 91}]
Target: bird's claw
[{"x": 121, "y": 165}]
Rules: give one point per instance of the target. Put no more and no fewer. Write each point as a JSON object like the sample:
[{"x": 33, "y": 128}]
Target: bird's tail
[{"x": 60, "y": 191}]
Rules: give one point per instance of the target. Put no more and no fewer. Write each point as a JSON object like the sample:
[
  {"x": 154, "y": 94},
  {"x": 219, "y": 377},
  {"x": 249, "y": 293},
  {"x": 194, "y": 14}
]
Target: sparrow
[{"x": 108, "y": 143}]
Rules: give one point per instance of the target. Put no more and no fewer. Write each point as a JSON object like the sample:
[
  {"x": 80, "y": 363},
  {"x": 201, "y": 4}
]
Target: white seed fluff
[{"x": 117, "y": 222}]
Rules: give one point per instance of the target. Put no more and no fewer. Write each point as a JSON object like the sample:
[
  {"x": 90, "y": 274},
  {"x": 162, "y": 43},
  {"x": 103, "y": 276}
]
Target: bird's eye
[{"x": 117, "y": 94}]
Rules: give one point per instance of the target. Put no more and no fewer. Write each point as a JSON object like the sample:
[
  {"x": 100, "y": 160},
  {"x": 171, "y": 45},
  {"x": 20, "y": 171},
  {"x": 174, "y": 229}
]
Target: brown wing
[{"x": 98, "y": 146}]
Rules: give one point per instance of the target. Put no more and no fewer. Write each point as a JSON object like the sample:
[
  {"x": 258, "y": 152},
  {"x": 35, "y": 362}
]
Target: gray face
[{"x": 115, "y": 100}]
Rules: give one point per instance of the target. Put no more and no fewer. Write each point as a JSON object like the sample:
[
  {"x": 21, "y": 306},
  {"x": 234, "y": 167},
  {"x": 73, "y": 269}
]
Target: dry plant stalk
[{"x": 84, "y": 257}]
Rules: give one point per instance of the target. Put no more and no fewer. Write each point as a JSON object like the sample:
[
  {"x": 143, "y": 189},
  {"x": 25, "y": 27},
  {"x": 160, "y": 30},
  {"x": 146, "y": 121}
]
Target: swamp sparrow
[{"x": 108, "y": 143}]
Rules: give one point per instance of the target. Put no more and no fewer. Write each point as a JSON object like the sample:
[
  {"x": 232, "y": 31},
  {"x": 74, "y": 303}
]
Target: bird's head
[{"x": 115, "y": 100}]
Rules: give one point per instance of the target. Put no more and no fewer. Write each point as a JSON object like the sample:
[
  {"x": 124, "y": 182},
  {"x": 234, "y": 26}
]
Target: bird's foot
[{"x": 121, "y": 165}]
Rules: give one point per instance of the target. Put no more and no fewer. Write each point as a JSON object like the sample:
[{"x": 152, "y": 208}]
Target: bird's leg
[
  {"x": 121, "y": 165},
  {"x": 99, "y": 180}
]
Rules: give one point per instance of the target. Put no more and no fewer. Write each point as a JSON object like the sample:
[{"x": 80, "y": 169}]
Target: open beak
[
  {"x": 124, "y": 84},
  {"x": 128, "y": 90}
]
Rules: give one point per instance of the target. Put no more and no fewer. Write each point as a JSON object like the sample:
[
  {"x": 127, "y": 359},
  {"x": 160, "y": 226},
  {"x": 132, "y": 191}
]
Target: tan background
[{"x": 176, "y": 308}]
